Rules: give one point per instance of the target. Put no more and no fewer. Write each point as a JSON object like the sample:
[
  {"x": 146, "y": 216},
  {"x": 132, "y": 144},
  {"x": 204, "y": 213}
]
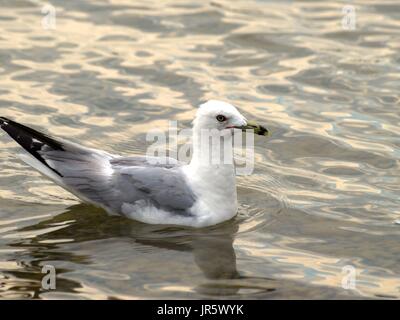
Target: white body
[{"x": 213, "y": 184}]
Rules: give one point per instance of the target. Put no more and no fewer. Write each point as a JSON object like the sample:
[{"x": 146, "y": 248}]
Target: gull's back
[{"x": 137, "y": 187}]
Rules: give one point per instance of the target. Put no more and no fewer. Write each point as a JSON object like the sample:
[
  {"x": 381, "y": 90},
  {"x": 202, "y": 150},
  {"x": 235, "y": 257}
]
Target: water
[{"x": 322, "y": 202}]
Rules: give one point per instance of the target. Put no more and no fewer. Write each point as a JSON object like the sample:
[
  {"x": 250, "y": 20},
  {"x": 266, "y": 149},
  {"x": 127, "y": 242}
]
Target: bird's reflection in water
[{"x": 212, "y": 247}]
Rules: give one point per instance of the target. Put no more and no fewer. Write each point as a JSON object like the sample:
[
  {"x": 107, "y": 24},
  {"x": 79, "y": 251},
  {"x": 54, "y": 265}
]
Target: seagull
[{"x": 198, "y": 194}]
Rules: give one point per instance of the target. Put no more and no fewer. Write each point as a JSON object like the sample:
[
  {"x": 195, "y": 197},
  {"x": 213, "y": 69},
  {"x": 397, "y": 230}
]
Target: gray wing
[
  {"x": 164, "y": 188},
  {"x": 138, "y": 161},
  {"x": 117, "y": 181},
  {"x": 101, "y": 178}
]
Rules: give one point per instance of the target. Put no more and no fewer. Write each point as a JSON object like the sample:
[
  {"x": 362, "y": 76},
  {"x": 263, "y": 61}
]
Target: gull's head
[{"x": 220, "y": 115}]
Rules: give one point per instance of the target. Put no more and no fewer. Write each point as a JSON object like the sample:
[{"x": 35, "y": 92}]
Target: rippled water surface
[{"x": 324, "y": 196}]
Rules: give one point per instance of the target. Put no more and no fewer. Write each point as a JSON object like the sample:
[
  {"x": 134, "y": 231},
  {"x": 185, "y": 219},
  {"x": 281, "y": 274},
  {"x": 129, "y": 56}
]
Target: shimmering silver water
[{"x": 324, "y": 196}]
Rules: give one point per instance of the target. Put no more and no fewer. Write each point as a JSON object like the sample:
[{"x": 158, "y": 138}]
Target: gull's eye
[{"x": 221, "y": 118}]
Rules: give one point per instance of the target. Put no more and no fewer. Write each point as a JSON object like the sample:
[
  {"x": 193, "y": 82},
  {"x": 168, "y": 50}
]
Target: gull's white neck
[{"x": 212, "y": 179}]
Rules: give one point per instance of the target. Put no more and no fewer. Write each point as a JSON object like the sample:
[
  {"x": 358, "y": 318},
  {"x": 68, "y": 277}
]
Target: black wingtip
[
  {"x": 3, "y": 120},
  {"x": 31, "y": 140},
  {"x": 18, "y": 132}
]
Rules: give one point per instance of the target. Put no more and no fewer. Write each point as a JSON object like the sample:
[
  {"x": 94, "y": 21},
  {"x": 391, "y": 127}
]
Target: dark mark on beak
[{"x": 258, "y": 129}]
